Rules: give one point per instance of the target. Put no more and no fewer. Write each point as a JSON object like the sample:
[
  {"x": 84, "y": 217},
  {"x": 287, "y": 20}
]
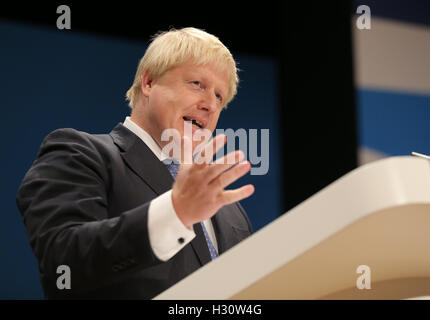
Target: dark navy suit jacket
[{"x": 85, "y": 204}]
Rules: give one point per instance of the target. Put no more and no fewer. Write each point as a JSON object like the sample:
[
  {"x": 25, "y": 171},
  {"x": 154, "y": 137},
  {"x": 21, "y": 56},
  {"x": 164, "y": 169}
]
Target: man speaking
[{"x": 118, "y": 211}]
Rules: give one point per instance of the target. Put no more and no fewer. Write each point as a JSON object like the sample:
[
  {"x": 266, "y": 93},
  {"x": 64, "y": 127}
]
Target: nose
[{"x": 209, "y": 102}]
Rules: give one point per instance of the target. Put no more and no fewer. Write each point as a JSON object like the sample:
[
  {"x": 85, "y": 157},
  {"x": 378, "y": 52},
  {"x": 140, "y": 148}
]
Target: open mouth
[{"x": 195, "y": 122}]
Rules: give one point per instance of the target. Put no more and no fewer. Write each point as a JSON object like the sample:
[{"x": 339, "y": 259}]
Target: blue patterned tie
[{"x": 173, "y": 169}]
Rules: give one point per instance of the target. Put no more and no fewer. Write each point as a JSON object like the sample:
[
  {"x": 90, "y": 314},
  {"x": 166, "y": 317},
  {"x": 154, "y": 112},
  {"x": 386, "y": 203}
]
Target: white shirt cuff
[{"x": 167, "y": 234}]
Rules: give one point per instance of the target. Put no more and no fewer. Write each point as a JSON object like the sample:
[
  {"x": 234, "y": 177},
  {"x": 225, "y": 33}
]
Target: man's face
[{"x": 184, "y": 93}]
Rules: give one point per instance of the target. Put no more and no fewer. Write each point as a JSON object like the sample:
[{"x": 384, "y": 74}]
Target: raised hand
[{"x": 198, "y": 192}]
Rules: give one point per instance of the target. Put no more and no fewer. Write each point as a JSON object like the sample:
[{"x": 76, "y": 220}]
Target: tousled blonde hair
[{"x": 173, "y": 48}]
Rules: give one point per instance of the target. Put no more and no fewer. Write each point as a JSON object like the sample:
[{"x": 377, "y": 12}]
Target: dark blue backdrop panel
[
  {"x": 51, "y": 79},
  {"x": 395, "y": 123}
]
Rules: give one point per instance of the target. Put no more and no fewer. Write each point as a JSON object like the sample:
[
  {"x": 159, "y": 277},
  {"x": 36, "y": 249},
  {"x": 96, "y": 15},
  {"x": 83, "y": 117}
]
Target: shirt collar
[{"x": 145, "y": 137}]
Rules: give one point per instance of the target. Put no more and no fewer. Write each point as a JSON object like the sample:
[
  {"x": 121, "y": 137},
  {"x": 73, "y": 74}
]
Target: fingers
[
  {"x": 217, "y": 176},
  {"x": 228, "y": 177},
  {"x": 230, "y": 196},
  {"x": 218, "y": 142},
  {"x": 206, "y": 153},
  {"x": 223, "y": 164}
]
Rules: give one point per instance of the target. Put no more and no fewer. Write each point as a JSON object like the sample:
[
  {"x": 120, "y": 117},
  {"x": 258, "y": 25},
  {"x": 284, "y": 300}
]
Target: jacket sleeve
[{"x": 63, "y": 202}]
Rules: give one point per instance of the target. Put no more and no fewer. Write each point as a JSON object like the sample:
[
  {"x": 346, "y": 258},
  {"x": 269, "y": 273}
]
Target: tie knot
[{"x": 172, "y": 166}]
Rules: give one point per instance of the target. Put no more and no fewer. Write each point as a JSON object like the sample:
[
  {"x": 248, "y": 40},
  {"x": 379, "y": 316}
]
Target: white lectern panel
[{"x": 377, "y": 215}]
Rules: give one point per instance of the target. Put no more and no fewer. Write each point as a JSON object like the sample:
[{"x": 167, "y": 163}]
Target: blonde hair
[{"x": 175, "y": 47}]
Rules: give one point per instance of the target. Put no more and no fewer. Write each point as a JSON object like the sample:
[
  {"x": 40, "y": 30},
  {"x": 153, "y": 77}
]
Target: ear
[{"x": 146, "y": 84}]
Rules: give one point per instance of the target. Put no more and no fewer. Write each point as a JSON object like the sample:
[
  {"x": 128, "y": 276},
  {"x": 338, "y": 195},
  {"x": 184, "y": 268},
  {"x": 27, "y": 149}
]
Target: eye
[
  {"x": 218, "y": 96},
  {"x": 197, "y": 83}
]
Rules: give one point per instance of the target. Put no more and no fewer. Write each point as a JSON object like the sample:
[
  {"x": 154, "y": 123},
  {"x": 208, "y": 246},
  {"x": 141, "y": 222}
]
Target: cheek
[
  {"x": 161, "y": 105},
  {"x": 157, "y": 98}
]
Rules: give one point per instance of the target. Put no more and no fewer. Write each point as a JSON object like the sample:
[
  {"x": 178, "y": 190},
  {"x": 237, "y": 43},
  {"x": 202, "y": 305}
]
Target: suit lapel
[
  {"x": 224, "y": 228},
  {"x": 219, "y": 228},
  {"x": 142, "y": 160},
  {"x": 200, "y": 246},
  {"x": 146, "y": 165},
  {"x": 223, "y": 234}
]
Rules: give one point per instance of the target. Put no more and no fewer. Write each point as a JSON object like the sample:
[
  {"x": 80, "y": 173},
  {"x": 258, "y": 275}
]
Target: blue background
[
  {"x": 53, "y": 79},
  {"x": 395, "y": 123}
]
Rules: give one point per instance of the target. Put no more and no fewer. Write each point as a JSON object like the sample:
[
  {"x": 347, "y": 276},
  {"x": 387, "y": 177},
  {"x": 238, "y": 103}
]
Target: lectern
[{"x": 377, "y": 216}]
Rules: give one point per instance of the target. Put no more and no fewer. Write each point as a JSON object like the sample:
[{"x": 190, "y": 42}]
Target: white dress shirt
[{"x": 164, "y": 227}]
